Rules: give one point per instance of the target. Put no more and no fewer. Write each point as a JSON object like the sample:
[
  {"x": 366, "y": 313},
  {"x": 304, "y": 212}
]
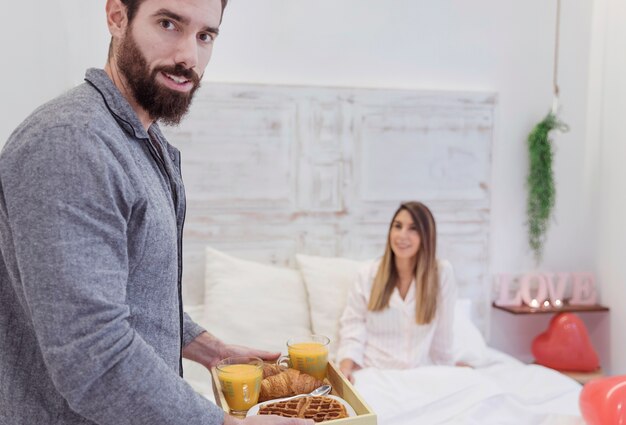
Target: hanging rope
[
  {"x": 555, "y": 72},
  {"x": 556, "y": 48}
]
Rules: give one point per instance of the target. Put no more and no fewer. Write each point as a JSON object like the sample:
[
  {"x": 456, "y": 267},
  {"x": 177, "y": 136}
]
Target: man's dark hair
[{"x": 133, "y": 5}]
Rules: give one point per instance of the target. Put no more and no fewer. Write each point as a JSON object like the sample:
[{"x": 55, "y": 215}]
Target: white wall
[
  {"x": 607, "y": 150},
  {"x": 30, "y": 71},
  {"x": 46, "y": 46},
  {"x": 489, "y": 45}
]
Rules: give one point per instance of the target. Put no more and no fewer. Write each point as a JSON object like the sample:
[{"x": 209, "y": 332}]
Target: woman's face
[{"x": 403, "y": 237}]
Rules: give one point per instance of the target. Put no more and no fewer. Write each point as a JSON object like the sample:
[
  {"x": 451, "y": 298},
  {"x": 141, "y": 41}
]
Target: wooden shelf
[
  {"x": 524, "y": 309},
  {"x": 583, "y": 377},
  {"x": 580, "y": 377}
]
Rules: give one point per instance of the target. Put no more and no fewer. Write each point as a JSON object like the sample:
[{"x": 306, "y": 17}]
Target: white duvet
[{"x": 505, "y": 392}]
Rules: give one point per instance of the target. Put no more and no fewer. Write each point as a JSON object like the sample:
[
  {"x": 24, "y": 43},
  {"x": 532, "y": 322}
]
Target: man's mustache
[{"x": 180, "y": 71}]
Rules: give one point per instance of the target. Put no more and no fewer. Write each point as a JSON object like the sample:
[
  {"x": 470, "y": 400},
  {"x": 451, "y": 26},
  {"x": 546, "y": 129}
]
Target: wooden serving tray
[{"x": 341, "y": 388}]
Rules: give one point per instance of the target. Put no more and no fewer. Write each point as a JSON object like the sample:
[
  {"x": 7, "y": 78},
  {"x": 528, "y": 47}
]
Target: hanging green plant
[{"x": 540, "y": 182}]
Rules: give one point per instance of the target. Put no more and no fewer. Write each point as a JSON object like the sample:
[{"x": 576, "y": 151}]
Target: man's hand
[
  {"x": 209, "y": 350},
  {"x": 238, "y": 350},
  {"x": 266, "y": 420}
]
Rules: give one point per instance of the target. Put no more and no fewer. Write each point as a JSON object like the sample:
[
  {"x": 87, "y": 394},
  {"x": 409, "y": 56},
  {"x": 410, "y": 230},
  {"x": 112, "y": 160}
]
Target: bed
[
  {"x": 503, "y": 391},
  {"x": 263, "y": 305}
]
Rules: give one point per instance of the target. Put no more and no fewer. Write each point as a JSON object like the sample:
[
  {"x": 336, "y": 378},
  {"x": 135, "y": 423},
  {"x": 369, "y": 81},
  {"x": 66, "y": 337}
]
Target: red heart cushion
[
  {"x": 602, "y": 401},
  {"x": 565, "y": 345}
]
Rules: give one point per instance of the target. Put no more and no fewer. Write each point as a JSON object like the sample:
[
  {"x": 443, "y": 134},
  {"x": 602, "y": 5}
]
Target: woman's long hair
[{"x": 426, "y": 273}]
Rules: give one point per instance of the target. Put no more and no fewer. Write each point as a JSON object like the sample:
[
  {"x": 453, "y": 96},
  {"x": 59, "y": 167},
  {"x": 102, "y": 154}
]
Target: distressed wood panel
[
  {"x": 272, "y": 171},
  {"x": 441, "y": 153},
  {"x": 248, "y": 145}
]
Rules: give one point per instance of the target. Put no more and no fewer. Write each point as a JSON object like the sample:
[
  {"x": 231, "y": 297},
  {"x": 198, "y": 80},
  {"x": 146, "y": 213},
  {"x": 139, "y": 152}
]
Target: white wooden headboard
[{"x": 271, "y": 171}]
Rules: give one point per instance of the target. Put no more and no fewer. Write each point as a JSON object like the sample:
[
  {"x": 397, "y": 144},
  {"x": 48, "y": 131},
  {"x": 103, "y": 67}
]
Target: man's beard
[{"x": 161, "y": 103}]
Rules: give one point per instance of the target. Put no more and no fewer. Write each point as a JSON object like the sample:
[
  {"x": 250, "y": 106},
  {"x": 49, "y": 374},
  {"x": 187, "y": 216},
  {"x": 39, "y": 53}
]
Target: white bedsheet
[{"x": 505, "y": 392}]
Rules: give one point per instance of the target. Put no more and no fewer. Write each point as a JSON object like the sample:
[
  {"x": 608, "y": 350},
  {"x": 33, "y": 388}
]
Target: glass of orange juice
[
  {"x": 240, "y": 378},
  {"x": 309, "y": 354}
]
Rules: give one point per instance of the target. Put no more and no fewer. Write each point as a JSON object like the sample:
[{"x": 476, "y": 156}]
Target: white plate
[{"x": 254, "y": 410}]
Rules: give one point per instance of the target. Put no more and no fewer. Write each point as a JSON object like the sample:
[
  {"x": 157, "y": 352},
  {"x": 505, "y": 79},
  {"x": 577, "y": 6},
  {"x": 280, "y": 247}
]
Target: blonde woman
[{"x": 400, "y": 311}]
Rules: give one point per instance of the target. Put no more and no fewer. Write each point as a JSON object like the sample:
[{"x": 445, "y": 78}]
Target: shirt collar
[
  {"x": 116, "y": 102},
  {"x": 410, "y": 295}
]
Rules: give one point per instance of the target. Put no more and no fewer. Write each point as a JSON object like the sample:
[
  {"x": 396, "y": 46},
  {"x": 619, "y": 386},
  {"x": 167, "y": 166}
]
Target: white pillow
[
  {"x": 327, "y": 281},
  {"x": 469, "y": 345},
  {"x": 253, "y": 304}
]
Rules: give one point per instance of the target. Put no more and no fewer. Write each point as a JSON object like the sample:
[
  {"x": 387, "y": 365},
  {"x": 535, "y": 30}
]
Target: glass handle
[{"x": 283, "y": 361}]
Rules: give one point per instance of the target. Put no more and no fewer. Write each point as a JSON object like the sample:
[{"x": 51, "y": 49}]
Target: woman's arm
[
  {"x": 441, "y": 350},
  {"x": 352, "y": 325}
]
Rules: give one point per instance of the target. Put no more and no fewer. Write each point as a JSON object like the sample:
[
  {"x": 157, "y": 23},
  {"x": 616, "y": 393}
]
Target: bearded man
[{"x": 92, "y": 205}]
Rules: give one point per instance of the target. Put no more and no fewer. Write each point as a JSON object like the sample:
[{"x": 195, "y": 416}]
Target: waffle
[{"x": 319, "y": 408}]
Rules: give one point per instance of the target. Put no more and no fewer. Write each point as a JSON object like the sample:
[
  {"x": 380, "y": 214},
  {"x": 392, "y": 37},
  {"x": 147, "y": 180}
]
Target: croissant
[
  {"x": 271, "y": 369},
  {"x": 287, "y": 383}
]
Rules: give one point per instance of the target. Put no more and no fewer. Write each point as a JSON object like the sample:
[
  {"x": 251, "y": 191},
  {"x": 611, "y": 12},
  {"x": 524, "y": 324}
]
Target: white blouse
[{"x": 390, "y": 339}]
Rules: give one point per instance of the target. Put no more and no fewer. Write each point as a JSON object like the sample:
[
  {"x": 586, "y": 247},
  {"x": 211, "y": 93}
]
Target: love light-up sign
[{"x": 546, "y": 289}]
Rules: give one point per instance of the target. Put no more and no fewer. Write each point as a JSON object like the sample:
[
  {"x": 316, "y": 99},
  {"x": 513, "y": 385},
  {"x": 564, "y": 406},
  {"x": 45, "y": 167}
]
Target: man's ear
[{"x": 117, "y": 19}]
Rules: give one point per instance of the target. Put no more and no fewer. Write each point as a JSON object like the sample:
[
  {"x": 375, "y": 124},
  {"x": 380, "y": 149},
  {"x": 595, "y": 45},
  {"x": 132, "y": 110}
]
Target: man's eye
[
  {"x": 167, "y": 24},
  {"x": 206, "y": 37}
]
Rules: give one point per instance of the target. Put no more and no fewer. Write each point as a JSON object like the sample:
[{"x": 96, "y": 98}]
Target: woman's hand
[{"x": 347, "y": 367}]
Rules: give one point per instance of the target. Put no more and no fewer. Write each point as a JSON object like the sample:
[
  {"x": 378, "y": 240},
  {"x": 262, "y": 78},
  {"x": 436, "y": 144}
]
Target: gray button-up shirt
[{"x": 91, "y": 217}]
